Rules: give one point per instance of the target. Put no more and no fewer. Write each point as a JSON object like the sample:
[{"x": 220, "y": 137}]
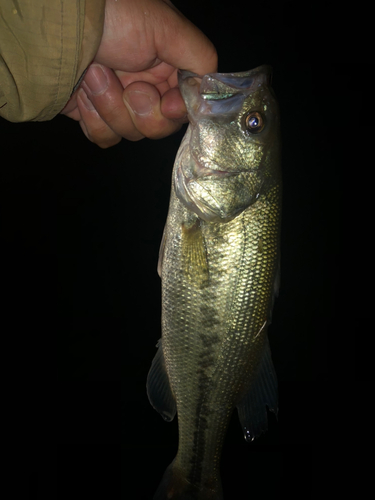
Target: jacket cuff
[{"x": 45, "y": 46}]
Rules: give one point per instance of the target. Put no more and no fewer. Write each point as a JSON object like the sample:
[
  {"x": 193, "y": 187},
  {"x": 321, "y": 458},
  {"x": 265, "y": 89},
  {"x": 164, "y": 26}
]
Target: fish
[{"x": 219, "y": 265}]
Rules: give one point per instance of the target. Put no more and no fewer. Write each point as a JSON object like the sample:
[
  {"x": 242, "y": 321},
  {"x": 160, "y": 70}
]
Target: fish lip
[
  {"x": 261, "y": 74},
  {"x": 243, "y": 82},
  {"x": 200, "y": 171},
  {"x": 216, "y": 94}
]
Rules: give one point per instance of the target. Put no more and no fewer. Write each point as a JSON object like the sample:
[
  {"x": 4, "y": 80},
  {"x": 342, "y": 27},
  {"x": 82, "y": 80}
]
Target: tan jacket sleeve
[{"x": 45, "y": 46}]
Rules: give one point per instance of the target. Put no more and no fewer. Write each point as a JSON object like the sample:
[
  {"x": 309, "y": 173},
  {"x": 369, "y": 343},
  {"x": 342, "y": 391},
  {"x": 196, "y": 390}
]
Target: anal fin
[{"x": 158, "y": 388}]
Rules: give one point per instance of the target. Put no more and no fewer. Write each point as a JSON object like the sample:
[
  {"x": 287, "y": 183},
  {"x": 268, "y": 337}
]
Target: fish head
[{"x": 231, "y": 148}]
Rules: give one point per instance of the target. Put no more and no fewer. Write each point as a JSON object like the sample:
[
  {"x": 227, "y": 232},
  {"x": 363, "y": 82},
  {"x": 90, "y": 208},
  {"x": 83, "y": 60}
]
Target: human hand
[{"x": 130, "y": 89}]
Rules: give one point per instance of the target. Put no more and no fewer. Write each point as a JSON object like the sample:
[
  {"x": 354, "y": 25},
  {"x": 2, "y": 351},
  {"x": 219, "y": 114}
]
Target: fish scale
[{"x": 218, "y": 263}]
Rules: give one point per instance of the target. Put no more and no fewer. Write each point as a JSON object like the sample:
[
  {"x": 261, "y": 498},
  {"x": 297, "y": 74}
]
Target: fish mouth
[
  {"x": 193, "y": 168},
  {"x": 218, "y": 93},
  {"x": 216, "y": 83},
  {"x": 199, "y": 170}
]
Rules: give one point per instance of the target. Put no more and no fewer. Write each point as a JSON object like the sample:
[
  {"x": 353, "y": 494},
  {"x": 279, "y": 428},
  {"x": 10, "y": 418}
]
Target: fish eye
[{"x": 254, "y": 122}]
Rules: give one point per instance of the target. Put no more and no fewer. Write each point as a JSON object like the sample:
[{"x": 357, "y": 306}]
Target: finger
[
  {"x": 159, "y": 73},
  {"x": 173, "y": 106},
  {"x": 71, "y": 108},
  {"x": 105, "y": 92},
  {"x": 144, "y": 105},
  {"x": 74, "y": 114},
  {"x": 95, "y": 129},
  {"x": 84, "y": 129},
  {"x": 191, "y": 49}
]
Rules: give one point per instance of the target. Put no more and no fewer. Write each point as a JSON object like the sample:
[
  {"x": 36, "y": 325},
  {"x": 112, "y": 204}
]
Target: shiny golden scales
[{"x": 219, "y": 263}]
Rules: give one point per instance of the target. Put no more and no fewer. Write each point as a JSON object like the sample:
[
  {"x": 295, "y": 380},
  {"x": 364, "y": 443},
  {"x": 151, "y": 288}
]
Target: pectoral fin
[
  {"x": 194, "y": 253},
  {"x": 158, "y": 388},
  {"x": 263, "y": 392}
]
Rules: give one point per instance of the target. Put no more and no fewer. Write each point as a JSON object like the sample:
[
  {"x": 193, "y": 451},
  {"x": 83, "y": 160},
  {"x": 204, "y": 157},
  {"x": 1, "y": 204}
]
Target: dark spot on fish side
[
  {"x": 209, "y": 317},
  {"x": 260, "y": 245}
]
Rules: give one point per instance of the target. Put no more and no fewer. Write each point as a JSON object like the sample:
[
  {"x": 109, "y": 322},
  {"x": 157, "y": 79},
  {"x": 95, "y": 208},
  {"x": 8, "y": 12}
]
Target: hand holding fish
[{"x": 130, "y": 90}]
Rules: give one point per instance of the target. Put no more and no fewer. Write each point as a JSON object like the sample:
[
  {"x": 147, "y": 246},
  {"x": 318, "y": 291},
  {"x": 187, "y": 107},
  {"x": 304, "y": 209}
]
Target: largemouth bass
[{"x": 219, "y": 264}]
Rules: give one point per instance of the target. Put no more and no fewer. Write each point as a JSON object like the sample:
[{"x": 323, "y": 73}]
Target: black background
[{"x": 80, "y": 234}]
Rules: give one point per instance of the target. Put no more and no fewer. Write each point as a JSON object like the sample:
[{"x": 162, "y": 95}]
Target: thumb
[{"x": 181, "y": 44}]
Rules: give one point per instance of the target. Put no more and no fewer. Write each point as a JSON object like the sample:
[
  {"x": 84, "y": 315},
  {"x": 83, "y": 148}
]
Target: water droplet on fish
[{"x": 248, "y": 437}]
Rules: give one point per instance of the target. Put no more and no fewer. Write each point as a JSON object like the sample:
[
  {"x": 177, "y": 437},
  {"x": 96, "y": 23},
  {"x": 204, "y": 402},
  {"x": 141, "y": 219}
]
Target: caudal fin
[{"x": 175, "y": 486}]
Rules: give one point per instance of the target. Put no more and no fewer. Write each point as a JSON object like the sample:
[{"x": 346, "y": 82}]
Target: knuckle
[
  {"x": 101, "y": 136},
  {"x": 135, "y": 138},
  {"x": 109, "y": 143},
  {"x": 96, "y": 135}
]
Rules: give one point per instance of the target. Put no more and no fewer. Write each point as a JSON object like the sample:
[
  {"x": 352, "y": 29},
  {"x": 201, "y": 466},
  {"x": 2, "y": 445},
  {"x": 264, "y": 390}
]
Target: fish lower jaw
[{"x": 197, "y": 169}]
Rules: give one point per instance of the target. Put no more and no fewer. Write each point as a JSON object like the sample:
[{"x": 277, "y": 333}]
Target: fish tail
[{"x": 175, "y": 486}]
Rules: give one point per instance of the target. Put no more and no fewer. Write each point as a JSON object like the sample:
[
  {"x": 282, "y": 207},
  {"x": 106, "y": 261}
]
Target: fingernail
[
  {"x": 140, "y": 102},
  {"x": 96, "y": 80},
  {"x": 85, "y": 100}
]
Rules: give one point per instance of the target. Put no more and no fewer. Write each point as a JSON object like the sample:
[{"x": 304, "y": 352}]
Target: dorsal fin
[{"x": 263, "y": 392}]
